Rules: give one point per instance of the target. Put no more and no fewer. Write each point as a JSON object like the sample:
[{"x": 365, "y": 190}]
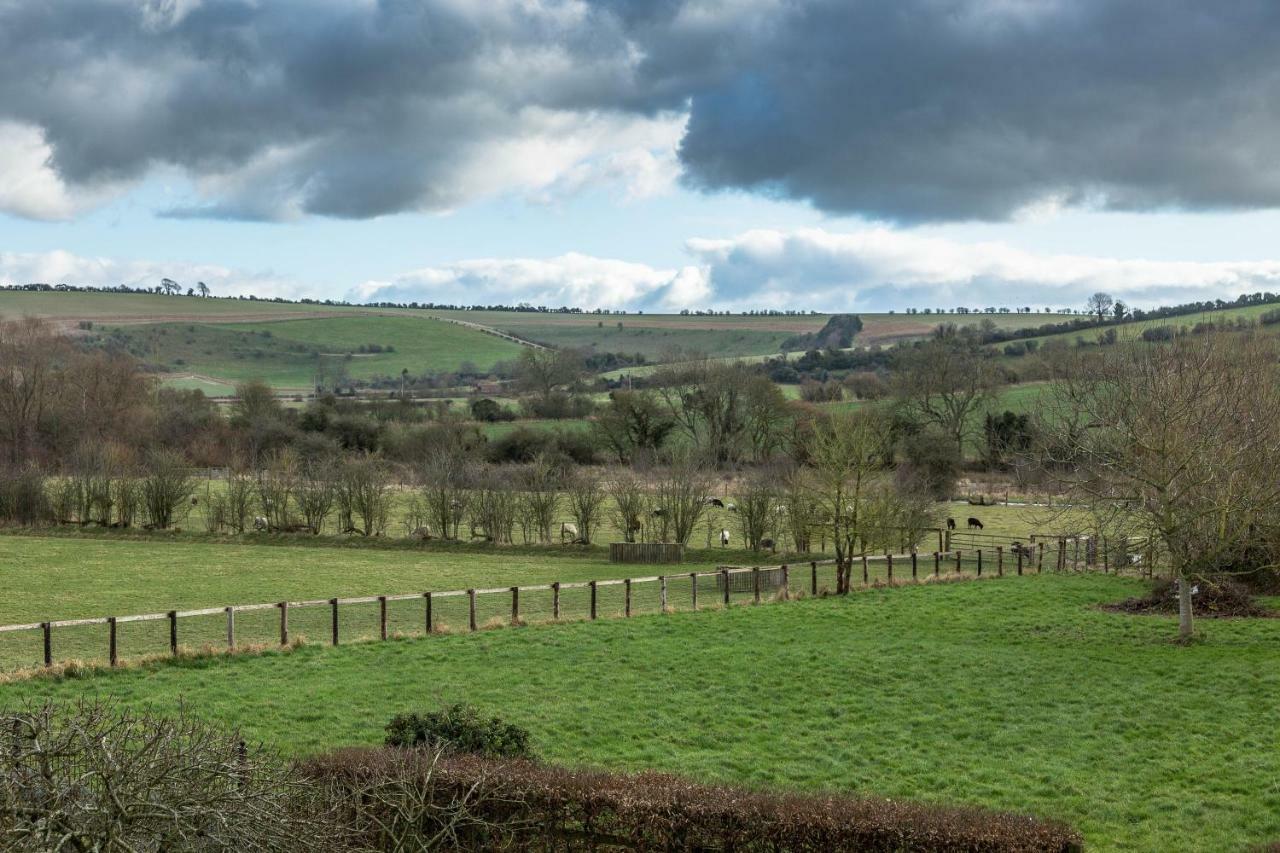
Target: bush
[
  {"x": 1270, "y": 318},
  {"x": 460, "y": 728},
  {"x": 23, "y": 499},
  {"x": 930, "y": 462},
  {"x": 520, "y": 805},
  {"x": 1155, "y": 334},
  {"x": 88, "y": 777}
]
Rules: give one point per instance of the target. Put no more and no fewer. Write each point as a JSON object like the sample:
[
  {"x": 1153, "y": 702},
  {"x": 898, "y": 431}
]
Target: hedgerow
[{"x": 524, "y": 806}]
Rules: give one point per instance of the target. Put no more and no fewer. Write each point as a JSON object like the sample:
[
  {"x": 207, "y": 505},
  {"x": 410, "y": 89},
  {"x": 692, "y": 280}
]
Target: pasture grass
[
  {"x": 1016, "y": 693},
  {"x": 287, "y": 353}
]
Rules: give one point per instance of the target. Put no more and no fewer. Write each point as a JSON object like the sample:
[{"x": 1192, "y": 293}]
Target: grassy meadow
[{"x": 1016, "y": 693}]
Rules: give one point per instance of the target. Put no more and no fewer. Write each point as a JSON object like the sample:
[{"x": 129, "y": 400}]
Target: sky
[{"x": 658, "y": 155}]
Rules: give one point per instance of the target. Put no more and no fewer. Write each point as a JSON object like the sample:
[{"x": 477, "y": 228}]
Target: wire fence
[{"x": 110, "y": 639}]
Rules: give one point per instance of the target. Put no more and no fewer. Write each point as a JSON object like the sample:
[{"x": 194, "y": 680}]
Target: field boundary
[{"x": 753, "y": 581}]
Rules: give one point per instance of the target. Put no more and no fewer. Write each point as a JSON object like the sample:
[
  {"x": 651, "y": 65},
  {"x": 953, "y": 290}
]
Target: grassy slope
[
  {"x": 1016, "y": 694},
  {"x": 285, "y": 352}
]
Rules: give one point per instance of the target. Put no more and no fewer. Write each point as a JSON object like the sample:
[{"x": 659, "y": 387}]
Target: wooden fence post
[
  {"x": 1075, "y": 556},
  {"x": 866, "y": 578},
  {"x": 888, "y": 559},
  {"x": 426, "y": 596},
  {"x": 48, "y": 643},
  {"x": 937, "y": 564},
  {"x": 693, "y": 586},
  {"x": 662, "y": 586},
  {"x": 471, "y": 609},
  {"x": 1019, "y": 562},
  {"x": 593, "y": 599},
  {"x": 786, "y": 579},
  {"x": 173, "y": 632},
  {"x": 755, "y": 582},
  {"x": 1106, "y": 555},
  {"x": 555, "y": 600},
  {"x": 231, "y": 627},
  {"x": 940, "y": 548},
  {"x": 813, "y": 569},
  {"x": 626, "y": 585},
  {"x": 913, "y": 563},
  {"x": 284, "y": 622},
  {"x": 333, "y": 627},
  {"x": 999, "y": 561},
  {"x": 957, "y": 561},
  {"x": 724, "y": 577},
  {"x": 979, "y": 562},
  {"x": 111, "y": 641},
  {"x": 382, "y": 617},
  {"x": 1040, "y": 560}
]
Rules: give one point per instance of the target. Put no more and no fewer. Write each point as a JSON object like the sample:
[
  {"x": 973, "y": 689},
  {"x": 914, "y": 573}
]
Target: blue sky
[{"x": 694, "y": 153}]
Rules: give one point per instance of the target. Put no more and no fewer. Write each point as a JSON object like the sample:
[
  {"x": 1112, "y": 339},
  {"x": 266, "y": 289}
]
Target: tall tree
[
  {"x": 1100, "y": 305},
  {"x": 1181, "y": 439},
  {"x": 946, "y": 381}
]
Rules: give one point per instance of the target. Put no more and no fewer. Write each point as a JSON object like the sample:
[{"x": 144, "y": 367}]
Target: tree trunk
[{"x": 1186, "y": 627}]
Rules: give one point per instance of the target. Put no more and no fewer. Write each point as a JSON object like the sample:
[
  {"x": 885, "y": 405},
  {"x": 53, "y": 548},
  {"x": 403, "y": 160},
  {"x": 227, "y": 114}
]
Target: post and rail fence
[{"x": 424, "y": 613}]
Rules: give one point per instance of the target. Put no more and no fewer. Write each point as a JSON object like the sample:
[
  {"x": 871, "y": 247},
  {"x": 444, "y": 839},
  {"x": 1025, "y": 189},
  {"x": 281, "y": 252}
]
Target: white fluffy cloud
[
  {"x": 61, "y": 267},
  {"x": 873, "y": 269},
  {"x": 877, "y": 269},
  {"x": 567, "y": 280},
  {"x": 29, "y": 185}
]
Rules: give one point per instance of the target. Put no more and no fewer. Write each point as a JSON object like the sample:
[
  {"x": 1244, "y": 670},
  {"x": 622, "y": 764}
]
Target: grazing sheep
[
  {"x": 569, "y": 531},
  {"x": 714, "y": 502},
  {"x": 260, "y": 523},
  {"x": 421, "y": 533},
  {"x": 951, "y": 524},
  {"x": 659, "y": 512},
  {"x": 731, "y": 506},
  {"x": 724, "y": 538},
  {"x": 973, "y": 522}
]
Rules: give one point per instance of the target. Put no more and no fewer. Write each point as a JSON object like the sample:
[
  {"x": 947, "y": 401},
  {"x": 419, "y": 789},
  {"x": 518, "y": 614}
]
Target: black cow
[
  {"x": 973, "y": 522},
  {"x": 951, "y": 524}
]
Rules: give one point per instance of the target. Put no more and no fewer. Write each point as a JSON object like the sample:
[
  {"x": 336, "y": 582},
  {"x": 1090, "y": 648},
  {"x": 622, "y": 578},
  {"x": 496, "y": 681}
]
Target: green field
[
  {"x": 288, "y": 353},
  {"x": 1016, "y": 694}
]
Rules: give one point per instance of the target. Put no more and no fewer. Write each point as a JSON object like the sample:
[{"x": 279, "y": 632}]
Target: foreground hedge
[{"x": 520, "y": 805}]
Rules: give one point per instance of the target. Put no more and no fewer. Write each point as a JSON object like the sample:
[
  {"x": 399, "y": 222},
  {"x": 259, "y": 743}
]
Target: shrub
[
  {"x": 1156, "y": 334},
  {"x": 460, "y": 728},
  {"x": 1270, "y": 318},
  {"x": 520, "y": 805},
  {"x": 88, "y": 777},
  {"x": 23, "y": 499}
]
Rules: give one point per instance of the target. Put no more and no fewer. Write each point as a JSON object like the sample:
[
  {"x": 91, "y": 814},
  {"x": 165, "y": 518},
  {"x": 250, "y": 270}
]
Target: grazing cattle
[
  {"x": 260, "y": 523},
  {"x": 951, "y": 524},
  {"x": 714, "y": 502},
  {"x": 767, "y": 543},
  {"x": 973, "y": 522},
  {"x": 569, "y": 532},
  {"x": 724, "y": 538}
]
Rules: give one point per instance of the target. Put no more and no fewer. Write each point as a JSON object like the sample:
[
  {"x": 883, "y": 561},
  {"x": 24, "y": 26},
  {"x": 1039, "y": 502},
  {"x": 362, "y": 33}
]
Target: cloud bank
[
  {"x": 871, "y": 269},
  {"x": 904, "y": 110},
  {"x": 874, "y": 269}
]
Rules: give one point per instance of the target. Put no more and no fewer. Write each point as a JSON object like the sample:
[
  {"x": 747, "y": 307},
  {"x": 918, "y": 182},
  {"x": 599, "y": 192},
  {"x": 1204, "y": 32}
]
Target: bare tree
[
  {"x": 802, "y": 511},
  {"x": 446, "y": 481},
  {"x": 315, "y": 492},
  {"x": 946, "y": 381},
  {"x": 847, "y": 455},
  {"x": 630, "y": 506},
  {"x": 166, "y": 487},
  {"x": 1100, "y": 305},
  {"x": 30, "y": 354},
  {"x": 1180, "y": 440},
  {"x": 586, "y": 502},
  {"x": 757, "y": 500},
  {"x": 494, "y": 507},
  {"x": 363, "y": 495},
  {"x": 680, "y": 498},
  {"x": 277, "y": 480},
  {"x": 540, "y": 483}
]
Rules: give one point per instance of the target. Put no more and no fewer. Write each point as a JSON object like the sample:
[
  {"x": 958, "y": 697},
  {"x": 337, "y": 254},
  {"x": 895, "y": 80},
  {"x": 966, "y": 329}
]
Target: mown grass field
[{"x": 1016, "y": 693}]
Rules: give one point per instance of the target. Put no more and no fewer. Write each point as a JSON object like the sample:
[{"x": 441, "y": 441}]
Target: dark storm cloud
[
  {"x": 903, "y": 109},
  {"x": 954, "y": 109}
]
